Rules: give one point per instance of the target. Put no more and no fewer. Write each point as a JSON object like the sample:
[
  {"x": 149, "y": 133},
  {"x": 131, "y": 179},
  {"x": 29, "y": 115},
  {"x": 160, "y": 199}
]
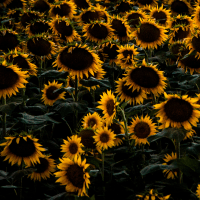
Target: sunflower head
[
  {"x": 109, "y": 106},
  {"x": 142, "y": 3},
  {"x": 104, "y": 138},
  {"x": 22, "y": 147},
  {"x": 78, "y": 60},
  {"x": 82, "y": 4},
  {"x": 123, "y": 7},
  {"x": 73, "y": 175},
  {"x": 40, "y": 5},
  {"x": 43, "y": 170},
  {"x": 49, "y": 95},
  {"x": 178, "y": 111},
  {"x": 141, "y": 128},
  {"x": 149, "y": 34},
  {"x": 72, "y": 147}
]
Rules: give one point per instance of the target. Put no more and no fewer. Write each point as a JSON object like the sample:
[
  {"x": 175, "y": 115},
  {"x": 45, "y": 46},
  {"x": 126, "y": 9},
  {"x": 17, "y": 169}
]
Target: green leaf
[
  {"x": 20, "y": 173},
  {"x": 93, "y": 81},
  {"x": 194, "y": 149},
  {"x": 8, "y": 108},
  {"x": 53, "y": 74}
]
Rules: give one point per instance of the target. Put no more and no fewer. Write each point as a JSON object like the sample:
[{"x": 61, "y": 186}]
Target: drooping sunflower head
[
  {"x": 43, "y": 169},
  {"x": 49, "y": 95},
  {"x": 177, "y": 47},
  {"x": 37, "y": 27},
  {"x": 98, "y": 31},
  {"x": 40, "y": 5},
  {"x": 40, "y": 46},
  {"x": 63, "y": 9},
  {"x": 8, "y": 40},
  {"x": 11, "y": 79},
  {"x": 127, "y": 94},
  {"x": 171, "y": 174},
  {"x": 93, "y": 121},
  {"x": 142, "y": 3},
  {"x": 64, "y": 28},
  {"x": 87, "y": 139},
  {"x": 161, "y": 15},
  {"x": 149, "y": 34},
  {"x": 182, "y": 7},
  {"x": 141, "y": 128},
  {"x": 78, "y": 60},
  {"x": 191, "y": 61},
  {"x": 109, "y": 50},
  {"x": 123, "y": 7},
  {"x": 127, "y": 56},
  {"x": 22, "y": 148},
  {"x": 82, "y": 4},
  {"x": 104, "y": 138},
  {"x": 109, "y": 106},
  {"x": 73, "y": 175},
  {"x": 133, "y": 18},
  {"x": 147, "y": 78},
  {"x": 121, "y": 28},
  {"x": 22, "y": 61},
  {"x": 72, "y": 147},
  {"x": 178, "y": 111}
]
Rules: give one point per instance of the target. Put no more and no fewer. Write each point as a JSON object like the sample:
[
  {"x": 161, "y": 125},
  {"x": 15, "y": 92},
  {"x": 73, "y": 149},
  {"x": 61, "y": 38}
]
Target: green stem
[
  {"x": 178, "y": 157},
  {"x": 102, "y": 174},
  {"x": 143, "y": 154},
  {"x": 4, "y": 119},
  {"x": 76, "y": 88},
  {"x": 126, "y": 125},
  {"x": 23, "y": 96}
]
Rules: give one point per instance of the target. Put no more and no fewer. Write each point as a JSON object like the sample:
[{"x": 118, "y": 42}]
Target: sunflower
[
  {"x": 142, "y": 3},
  {"x": 98, "y": 31},
  {"x": 11, "y": 78},
  {"x": 22, "y": 148},
  {"x": 190, "y": 61},
  {"x": 22, "y": 61},
  {"x": 123, "y": 7},
  {"x": 147, "y": 78},
  {"x": 73, "y": 174},
  {"x": 161, "y": 15},
  {"x": 117, "y": 128},
  {"x": 93, "y": 121},
  {"x": 178, "y": 111},
  {"x": 64, "y": 8},
  {"x": 127, "y": 94},
  {"x": 141, "y": 128},
  {"x": 8, "y": 40},
  {"x": 133, "y": 18},
  {"x": 168, "y": 159},
  {"x": 40, "y": 5},
  {"x": 108, "y": 105},
  {"x": 149, "y": 34},
  {"x": 40, "y": 46},
  {"x": 49, "y": 96},
  {"x": 109, "y": 50},
  {"x": 196, "y": 16},
  {"x": 104, "y": 138},
  {"x": 64, "y": 28},
  {"x": 86, "y": 135},
  {"x": 37, "y": 27},
  {"x": 73, "y": 147},
  {"x": 82, "y": 4},
  {"x": 78, "y": 60},
  {"x": 145, "y": 9},
  {"x": 198, "y": 191},
  {"x": 182, "y": 7},
  {"x": 121, "y": 28},
  {"x": 43, "y": 169},
  {"x": 126, "y": 57},
  {"x": 189, "y": 134}
]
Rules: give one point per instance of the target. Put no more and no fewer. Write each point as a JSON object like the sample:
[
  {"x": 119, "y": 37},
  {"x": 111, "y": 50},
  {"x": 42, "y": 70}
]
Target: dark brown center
[
  {"x": 134, "y": 20},
  {"x": 8, "y": 41},
  {"x": 41, "y": 6},
  {"x": 26, "y": 18},
  {"x": 21, "y": 62},
  {"x": 78, "y": 59},
  {"x": 178, "y": 110},
  {"x": 181, "y": 34},
  {"x": 104, "y": 137},
  {"x": 145, "y": 2},
  {"x": 148, "y": 33},
  {"x": 82, "y": 4},
  {"x": 92, "y": 122},
  {"x": 196, "y": 43},
  {"x": 43, "y": 166},
  {"x": 179, "y": 7},
  {"x": 123, "y": 7},
  {"x": 87, "y": 138},
  {"x": 63, "y": 10},
  {"x": 142, "y": 130},
  {"x": 75, "y": 175},
  {"x": 98, "y": 31},
  {"x": 73, "y": 148},
  {"x": 145, "y": 77},
  {"x": 110, "y": 106},
  {"x": 90, "y": 16},
  {"x": 129, "y": 92},
  {"x": 23, "y": 148},
  {"x": 50, "y": 94},
  {"x": 183, "y": 22},
  {"x": 8, "y": 78},
  {"x": 116, "y": 128},
  {"x": 63, "y": 29},
  {"x": 39, "y": 27},
  {"x": 111, "y": 52},
  {"x": 119, "y": 28},
  {"x": 160, "y": 16}
]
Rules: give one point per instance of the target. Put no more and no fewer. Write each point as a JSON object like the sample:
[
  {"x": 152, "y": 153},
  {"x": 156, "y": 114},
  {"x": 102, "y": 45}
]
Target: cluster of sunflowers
[{"x": 88, "y": 42}]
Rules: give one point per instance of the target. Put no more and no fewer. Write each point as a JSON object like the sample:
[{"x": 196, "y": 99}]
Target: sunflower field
[{"x": 100, "y": 99}]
